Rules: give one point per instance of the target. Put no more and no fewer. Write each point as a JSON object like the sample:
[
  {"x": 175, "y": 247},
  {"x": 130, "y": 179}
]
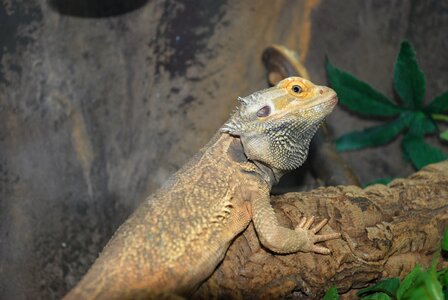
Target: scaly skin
[{"x": 178, "y": 236}]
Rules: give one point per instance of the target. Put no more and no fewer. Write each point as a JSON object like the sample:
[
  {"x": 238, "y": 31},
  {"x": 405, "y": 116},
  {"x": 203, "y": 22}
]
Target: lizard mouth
[
  {"x": 325, "y": 107},
  {"x": 331, "y": 103}
]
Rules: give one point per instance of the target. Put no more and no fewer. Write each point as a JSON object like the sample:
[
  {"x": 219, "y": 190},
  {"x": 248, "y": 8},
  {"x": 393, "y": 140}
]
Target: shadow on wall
[{"x": 95, "y": 8}]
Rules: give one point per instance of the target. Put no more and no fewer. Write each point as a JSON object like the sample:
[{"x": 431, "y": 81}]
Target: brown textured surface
[
  {"x": 386, "y": 231},
  {"x": 98, "y": 108},
  {"x": 175, "y": 239}
]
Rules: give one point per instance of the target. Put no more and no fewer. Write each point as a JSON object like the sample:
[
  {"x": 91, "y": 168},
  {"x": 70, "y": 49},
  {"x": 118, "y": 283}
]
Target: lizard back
[{"x": 174, "y": 228}]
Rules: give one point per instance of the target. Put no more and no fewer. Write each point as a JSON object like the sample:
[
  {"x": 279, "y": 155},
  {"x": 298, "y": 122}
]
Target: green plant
[
  {"x": 410, "y": 117},
  {"x": 418, "y": 284},
  {"x": 445, "y": 240},
  {"x": 331, "y": 294}
]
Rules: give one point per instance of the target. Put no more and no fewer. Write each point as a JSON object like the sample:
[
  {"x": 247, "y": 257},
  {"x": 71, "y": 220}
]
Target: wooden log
[
  {"x": 100, "y": 103},
  {"x": 386, "y": 231}
]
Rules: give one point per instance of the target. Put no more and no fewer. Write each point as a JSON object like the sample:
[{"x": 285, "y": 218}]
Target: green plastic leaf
[
  {"x": 421, "y": 153},
  {"x": 331, "y": 294},
  {"x": 439, "y": 104},
  {"x": 444, "y": 135},
  {"x": 443, "y": 279},
  {"x": 388, "y": 286},
  {"x": 425, "y": 286},
  {"x": 408, "y": 281},
  {"x": 442, "y": 276},
  {"x": 445, "y": 242},
  {"x": 377, "y": 296},
  {"x": 358, "y": 95},
  {"x": 422, "y": 124},
  {"x": 409, "y": 80},
  {"x": 440, "y": 117},
  {"x": 374, "y": 136}
]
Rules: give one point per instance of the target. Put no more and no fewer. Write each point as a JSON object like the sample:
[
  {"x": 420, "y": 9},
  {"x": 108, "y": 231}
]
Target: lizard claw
[
  {"x": 305, "y": 224},
  {"x": 320, "y": 250},
  {"x": 302, "y": 223},
  {"x": 319, "y": 226}
]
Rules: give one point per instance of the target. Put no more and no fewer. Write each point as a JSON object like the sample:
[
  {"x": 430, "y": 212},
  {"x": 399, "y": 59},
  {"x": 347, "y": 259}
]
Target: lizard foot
[{"x": 305, "y": 224}]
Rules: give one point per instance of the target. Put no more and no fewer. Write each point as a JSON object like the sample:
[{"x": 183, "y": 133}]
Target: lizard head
[{"x": 276, "y": 125}]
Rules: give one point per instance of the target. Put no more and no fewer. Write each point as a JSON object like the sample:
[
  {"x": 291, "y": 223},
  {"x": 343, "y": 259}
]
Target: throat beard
[{"x": 289, "y": 145}]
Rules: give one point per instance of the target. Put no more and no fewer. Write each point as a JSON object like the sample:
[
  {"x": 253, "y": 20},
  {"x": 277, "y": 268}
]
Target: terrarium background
[{"x": 101, "y": 101}]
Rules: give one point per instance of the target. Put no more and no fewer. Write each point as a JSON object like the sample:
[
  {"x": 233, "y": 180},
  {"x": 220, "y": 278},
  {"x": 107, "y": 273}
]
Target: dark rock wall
[{"x": 101, "y": 101}]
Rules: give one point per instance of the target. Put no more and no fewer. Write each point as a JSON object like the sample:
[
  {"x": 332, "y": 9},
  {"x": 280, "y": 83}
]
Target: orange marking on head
[
  {"x": 281, "y": 103},
  {"x": 293, "y": 84}
]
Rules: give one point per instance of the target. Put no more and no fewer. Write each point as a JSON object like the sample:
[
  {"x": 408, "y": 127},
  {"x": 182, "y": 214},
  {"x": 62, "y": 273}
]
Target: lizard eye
[
  {"x": 296, "y": 89},
  {"x": 264, "y": 111}
]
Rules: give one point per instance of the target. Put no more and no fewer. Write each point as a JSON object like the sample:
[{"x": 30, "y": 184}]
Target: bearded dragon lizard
[{"x": 178, "y": 236}]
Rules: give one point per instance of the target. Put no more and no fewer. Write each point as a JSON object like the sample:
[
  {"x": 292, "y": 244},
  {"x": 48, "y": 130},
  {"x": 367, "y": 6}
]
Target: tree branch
[{"x": 386, "y": 231}]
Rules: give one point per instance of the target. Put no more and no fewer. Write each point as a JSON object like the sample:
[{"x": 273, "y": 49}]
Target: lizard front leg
[{"x": 283, "y": 240}]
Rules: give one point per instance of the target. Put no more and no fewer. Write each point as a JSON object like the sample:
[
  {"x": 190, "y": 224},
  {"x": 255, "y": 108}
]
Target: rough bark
[
  {"x": 101, "y": 100},
  {"x": 386, "y": 230}
]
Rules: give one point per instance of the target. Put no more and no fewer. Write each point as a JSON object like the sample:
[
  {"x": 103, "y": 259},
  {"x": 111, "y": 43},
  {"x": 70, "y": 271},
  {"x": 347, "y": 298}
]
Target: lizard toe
[
  {"x": 320, "y": 250},
  {"x": 308, "y": 223},
  {"x": 326, "y": 237}
]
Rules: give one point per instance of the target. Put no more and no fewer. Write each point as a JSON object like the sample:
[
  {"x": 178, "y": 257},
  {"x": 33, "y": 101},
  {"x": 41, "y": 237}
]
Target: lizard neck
[
  {"x": 234, "y": 149},
  {"x": 271, "y": 176}
]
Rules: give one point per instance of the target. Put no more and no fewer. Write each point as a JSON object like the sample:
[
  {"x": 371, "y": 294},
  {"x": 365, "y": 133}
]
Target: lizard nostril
[{"x": 321, "y": 91}]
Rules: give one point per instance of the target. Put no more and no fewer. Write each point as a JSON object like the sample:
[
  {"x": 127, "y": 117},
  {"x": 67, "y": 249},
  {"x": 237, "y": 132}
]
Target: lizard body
[{"x": 178, "y": 236}]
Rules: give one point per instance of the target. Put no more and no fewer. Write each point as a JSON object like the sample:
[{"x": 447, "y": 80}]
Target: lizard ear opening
[{"x": 264, "y": 111}]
